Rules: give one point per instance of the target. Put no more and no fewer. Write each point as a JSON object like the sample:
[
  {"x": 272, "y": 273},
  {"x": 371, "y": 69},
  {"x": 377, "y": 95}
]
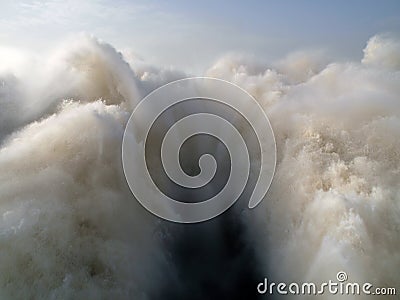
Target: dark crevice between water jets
[{"x": 213, "y": 259}]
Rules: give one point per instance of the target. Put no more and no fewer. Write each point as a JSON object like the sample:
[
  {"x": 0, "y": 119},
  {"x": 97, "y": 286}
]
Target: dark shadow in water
[{"x": 213, "y": 259}]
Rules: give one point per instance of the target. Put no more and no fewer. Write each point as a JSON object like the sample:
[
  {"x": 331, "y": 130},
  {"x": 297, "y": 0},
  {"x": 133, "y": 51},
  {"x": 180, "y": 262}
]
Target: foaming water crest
[
  {"x": 68, "y": 226},
  {"x": 334, "y": 203}
]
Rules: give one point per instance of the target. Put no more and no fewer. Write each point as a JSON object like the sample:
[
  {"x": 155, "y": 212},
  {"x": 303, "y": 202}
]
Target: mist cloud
[{"x": 70, "y": 227}]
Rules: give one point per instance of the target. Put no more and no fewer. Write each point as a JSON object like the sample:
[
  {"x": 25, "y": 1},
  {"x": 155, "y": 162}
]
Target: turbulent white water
[
  {"x": 70, "y": 229},
  {"x": 335, "y": 201}
]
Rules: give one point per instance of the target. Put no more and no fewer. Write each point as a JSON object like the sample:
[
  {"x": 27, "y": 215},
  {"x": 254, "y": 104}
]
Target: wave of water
[{"x": 69, "y": 227}]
